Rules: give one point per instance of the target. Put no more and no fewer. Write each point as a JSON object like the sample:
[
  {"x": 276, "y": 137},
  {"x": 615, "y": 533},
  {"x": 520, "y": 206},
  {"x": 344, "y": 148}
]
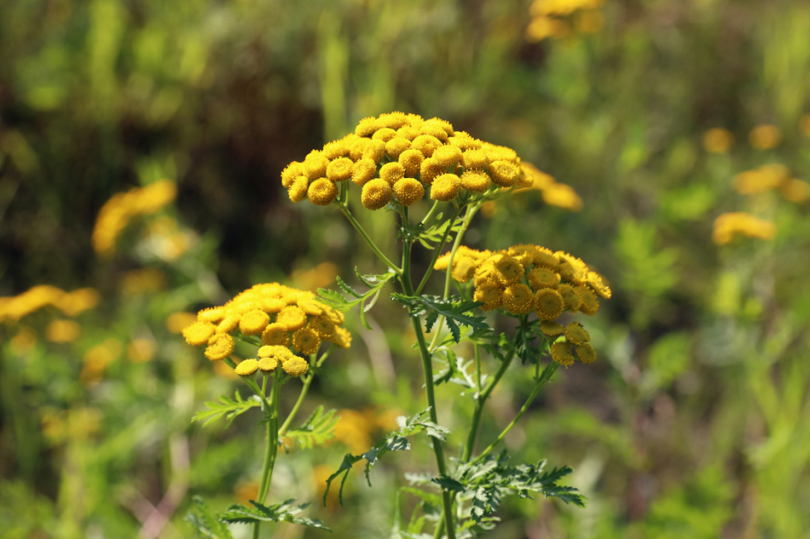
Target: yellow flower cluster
[
  {"x": 554, "y": 194},
  {"x": 526, "y": 278},
  {"x": 121, "y": 208},
  {"x": 728, "y": 225},
  {"x": 717, "y": 140},
  {"x": 561, "y": 18},
  {"x": 284, "y": 318},
  {"x": 404, "y": 157},
  {"x": 40, "y": 296},
  {"x": 765, "y": 137},
  {"x": 770, "y": 177}
]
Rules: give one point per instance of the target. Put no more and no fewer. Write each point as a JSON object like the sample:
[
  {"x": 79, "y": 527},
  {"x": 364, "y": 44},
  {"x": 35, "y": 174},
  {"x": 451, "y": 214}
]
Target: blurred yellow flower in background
[
  {"x": 40, "y": 296},
  {"x": 62, "y": 331},
  {"x": 728, "y": 225},
  {"x": 97, "y": 359},
  {"x": 765, "y": 137},
  {"x": 718, "y": 140}
]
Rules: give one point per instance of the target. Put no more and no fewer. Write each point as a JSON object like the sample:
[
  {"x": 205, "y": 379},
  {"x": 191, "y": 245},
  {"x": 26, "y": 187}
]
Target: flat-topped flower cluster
[
  {"x": 286, "y": 319},
  {"x": 404, "y": 157},
  {"x": 526, "y": 278}
]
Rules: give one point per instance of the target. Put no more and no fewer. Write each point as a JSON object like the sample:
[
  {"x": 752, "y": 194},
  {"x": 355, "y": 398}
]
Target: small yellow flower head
[
  {"x": 385, "y": 134},
  {"x": 598, "y": 284},
  {"x": 342, "y": 338},
  {"x": 292, "y": 318},
  {"x": 247, "y": 367},
  {"x": 391, "y": 172},
  {"x": 311, "y": 307},
  {"x": 228, "y": 324},
  {"x": 571, "y": 298},
  {"x": 315, "y": 165},
  {"x": 576, "y": 334},
  {"x": 411, "y": 161},
  {"x": 273, "y": 305},
  {"x": 426, "y": 144},
  {"x": 291, "y": 172},
  {"x": 340, "y": 169},
  {"x": 518, "y": 299},
  {"x": 276, "y": 334},
  {"x": 394, "y": 120},
  {"x": 463, "y": 268},
  {"x": 728, "y": 225},
  {"x": 586, "y": 353},
  {"x": 323, "y": 191},
  {"x": 267, "y": 364},
  {"x": 219, "y": 347},
  {"x": 375, "y": 150},
  {"x": 408, "y": 132},
  {"x": 445, "y": 188},
  {"x": 63, "y": 331},
  {"x": 376, "y": 194},
  {"x": 298, "y": 190},
  {"x": 475, "y": 181},
  {"x": 296, "y": 366},
  {"x": 198, "y": 333},
  {"x": 357, "y": 148},
  {"x": 432, "y": 128},
  {"x": 475, "y": 160},
  {"x": 211, "y": 314},
  {"x": 796, "y": 191},
  {"x": 280, "y": 353},
  {"x": 177, "y": 322},
  {"x": 545, "y": 259},
  {"x": 551, "y": 328},
  {"x": 590, "y": 303},
  {"x": 254, "y": 322},
  {"x": 447, "y": 156},
  {"x": 337, "y": 149},
  {"x": 548, "y": 303},
  {"x": 490, "y": 295},
  {"x": 503, "y": 173},
  {"x": 543, "y": 278},
  {"x": 363, "y": 171},
  {"x": 396, "y": 146},
  {"x": 561, "y": 353},
  {"x": 321, "y": 325},
  {"x": 765, "y": 137},
  {"x": 429, "y": 171},
  {"x": 366, "y": 127},
  {"x": 562, "y": 196},
  {"x": 408, "y": 191},
  {"x": 717, "y": 140},
  {"x": 306, "y": 341},
  {"x": 508, "y": 270}
]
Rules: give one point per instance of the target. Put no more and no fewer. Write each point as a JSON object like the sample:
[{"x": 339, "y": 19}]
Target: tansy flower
[
  {"x": 321, "y": 325},
  {"x": 445, "y": 188},
  {"x": 296, "y": 366},
  {"x": 323, "y": 191},
  {"x": 363, "y": 171},
  {"x": 366, "y": 127},
  {"x": 507, "y": 269},
  {"x": 761, "y": 179},
  {"x": 280, "y": 354},
  {"x": 198, "y": 333},
  {"x": 717, "y": 140},
  {"x": 426, "y": 144},
  {"x": 474, "y": 159},
  {"x": 376, "y": 194},
  {"x": 586, "y": 353},
  {"x": 219, "y": 347},
  {"x": 292, "y": 318},
  {"x": 408, "y": 191},
  {"x": 447, "y": 156},
  {"x": 339, "y": 169},
  {"x": 254, "y": 322},
  {"x": 543, "y": 278},
  {"x": 396, "y": 146},
  {"x": 518, "y": 299},
  {"x": 551, "y": 328},
  {"x": 429, "y": 170},
  {"x": 463, "y": 268},
  {"x": 267, "y": 364},
  {"x": 342, "y": 338},
  {"x": 298, "y": 190},
  {"x": 490, "y": 295},
  {"x": 212, "y": 314},
  {"x": 503, "y": 173},
  {"x": 408, "y": 132},
  {"x": 765, "y": 137},
  {"x": 562, "y": 196},
  {"x": 385, "y": 134},
  {"x": 375, "y": 150},
  {"x": 411, "y": 161},
  {"x": 590, "y": 303},
  {"x": 315, "y": 165},
  {"x": 306, "y": 341},
  {"x": 475, "y": 181},
  {"x": 292, "y": 172},
  {"x": 561, "y": 353},
  {"x": 576, "y": 334},
  {"x": 247, "y": 367},
  {"x": 548, "y": 303},
  {"x": 728, "y": 225},
  {"x": 391, "y": 172},
  {"x": 433, "y": 131},
  {"x": 571, "y": 299}
]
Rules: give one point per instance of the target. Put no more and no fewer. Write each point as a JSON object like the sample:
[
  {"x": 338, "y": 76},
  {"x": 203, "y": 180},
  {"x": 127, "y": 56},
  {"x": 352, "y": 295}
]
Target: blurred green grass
[{"x": 694, "y": 419}]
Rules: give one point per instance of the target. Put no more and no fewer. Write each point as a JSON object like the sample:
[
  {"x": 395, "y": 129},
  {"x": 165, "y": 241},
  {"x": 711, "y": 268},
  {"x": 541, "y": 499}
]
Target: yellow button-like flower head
[
  {"x": 507, "y": 269},
  {"x": 276, "y": 334},
  {"x": 543, "y": 278},
  {"x": 447, "y": 156},
  {"x": 375, "y": 150},
  {"x": 426, "y": 144},
  {"x": 475, "y": 181},
  {"x": 503, "y": 173},
  {"x": 572, "y": 300},
  {"x": 518, "y": 299},
  {"x": 342, "y": 338},
  {"x": 219, "y": 347},
  {"x": 463, "y": 268},
  {"x": 475, "y": 160},
  {"x": 254, "y": 322},
  {"x": 586, "y": 353},
  {"x": 385, "y": 134},
  {"x": 429, "y": 170},
  {"x": 296, "y": 366},
  {"x": 576, "y": 334},
  {"x": 391, "y": 172},
  {"x": 267, "y": 364},
  {"x": 548, "y": 303},
  {"x": 291, "y": 172},
  {"x": 298, "y": 190},
  {"x": 590, "y": 303},
  {"x": 376, "y": 194},
  {"x": 280, "y": 353},
  {"x": 306, "y": 341},
  {"x": 323, "y": 191},
  {"x": 551, "y": 328},
  {"x": 396, "y": 146},
  {"x": 408, "y": 191},
  {"x": 247, "y": 367},
  {"x": 340, "y": 169},
  {"x": 363, "y": 171},
  {"x": 561, "y": 353},
  {"x": 315, "y": 165},
  {"x": 408, "y": 132},
  {"x": 321, "y": 325},
  {"x": 198, "y": 333},
  {"x": 445, "y": 188},
  {"x": 411, "y": 161},
  {"x": 292, "y": 318},
  {"x": 490, "y": 295},
  {"x": 367, "y": 127}
]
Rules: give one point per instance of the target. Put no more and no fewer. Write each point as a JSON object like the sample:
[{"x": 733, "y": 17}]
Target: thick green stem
[
  {"x": 359, "y": 228},
  {"x": 271, "y": 416},
  {"x": 537, "y": 387}
]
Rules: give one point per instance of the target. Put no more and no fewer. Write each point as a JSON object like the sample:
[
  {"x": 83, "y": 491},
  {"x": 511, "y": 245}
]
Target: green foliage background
[{"x": 694, "y": 422}]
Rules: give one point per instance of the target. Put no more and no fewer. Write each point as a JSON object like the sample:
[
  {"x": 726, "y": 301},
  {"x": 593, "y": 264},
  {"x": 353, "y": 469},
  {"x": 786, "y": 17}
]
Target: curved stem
[
  {"x": 271, "y": 416},
  {"x": 304, "y": 389},
  {"x": 359, "y": 228},
  {"x": 436, "y": 252},
  {"x": 431, "y": 213},
  {"x": 537, "y": 387}
]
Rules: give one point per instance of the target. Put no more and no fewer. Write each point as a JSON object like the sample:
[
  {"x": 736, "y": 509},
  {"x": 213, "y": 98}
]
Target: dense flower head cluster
[
  {"x": 404, "y": 158},
  {"x": 122, "y": 207},
  {"x": 526, "y": 278},
  {"x": 285, "y": 318},
  {"x": 41, "y": 296},
  {"x": 729, "y": 225},
  {"x": 771, "y": 177},
  {"x": 562, "y": 18}
]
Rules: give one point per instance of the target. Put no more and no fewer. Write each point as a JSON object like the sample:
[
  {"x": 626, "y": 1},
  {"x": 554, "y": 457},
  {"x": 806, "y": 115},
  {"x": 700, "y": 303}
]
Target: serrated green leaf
[
  {"x": 316, "y": 430},
  {"x": 205, "y": 522},
  {"x": 227, "y": 408},
  {"x": 282, "y": 512}
]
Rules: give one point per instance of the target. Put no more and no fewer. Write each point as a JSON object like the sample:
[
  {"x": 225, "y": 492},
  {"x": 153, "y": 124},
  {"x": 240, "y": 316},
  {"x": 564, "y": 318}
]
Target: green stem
[
  {"x": 359, "y": 228},
  {"x": 431, "y": 213},
  {"x": 436, "y": 252},
  {"x": 304, "y": 389},
  {"x": 537, "y": 387},
  {"x": 271, "y": 415}
]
